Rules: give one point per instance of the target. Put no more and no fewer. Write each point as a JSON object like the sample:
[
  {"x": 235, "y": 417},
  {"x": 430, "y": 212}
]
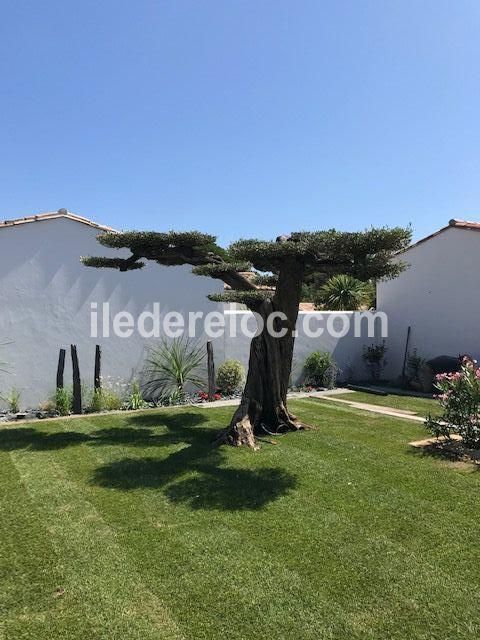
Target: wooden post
[
  {"x": 77, "y": 385},
  {"x": 60, "y": 368},
  {"x": 97, "y": 382},
  {"x": 211, "y": 372},
  {"x": 407, "y": 343}
]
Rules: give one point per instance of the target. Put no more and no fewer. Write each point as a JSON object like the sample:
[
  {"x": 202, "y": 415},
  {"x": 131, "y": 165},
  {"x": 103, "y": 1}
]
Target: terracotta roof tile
[
  {"x": 464, "y": 224},
  {"x": 456, "y": 224},
  {"x": 306, "y": 306},
  {"x": 53, "y": 215}
]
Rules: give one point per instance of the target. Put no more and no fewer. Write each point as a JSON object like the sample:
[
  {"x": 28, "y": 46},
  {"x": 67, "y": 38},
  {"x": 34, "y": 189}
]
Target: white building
[
  {"x": 46, "y": 296},
  {"x": 438, "y": 296}
]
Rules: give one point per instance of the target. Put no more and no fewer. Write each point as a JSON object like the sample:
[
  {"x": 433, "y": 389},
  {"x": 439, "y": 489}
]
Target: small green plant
[
  {"x": 97, "y": 402},
  {"x": 63, "y": 401},
  {"x": 230, "y": 376},
  {"x": 171, "y": 367},
  {"x": 374, "y": 359},
  {"x": 112, "y": 401},
  {"x": 12, "y": 400},
  {"x": 135, "y": 400},
  {"x": 114, "y": 393},
  {"x": 175, "y": 398},
  {"x": 414, "y": 365},
  {"x": 317, "y": 366}
]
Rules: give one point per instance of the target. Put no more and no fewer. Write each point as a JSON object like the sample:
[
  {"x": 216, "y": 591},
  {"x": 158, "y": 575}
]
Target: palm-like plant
[
  {"x": 171, "y": 367},
  {"x": 345, "y": 293}
]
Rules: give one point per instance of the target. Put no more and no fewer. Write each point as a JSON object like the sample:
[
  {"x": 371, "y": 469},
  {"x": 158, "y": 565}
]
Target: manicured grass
[
  {"x": 133, "y": 527},
  {"x": 421, "y": 406}
]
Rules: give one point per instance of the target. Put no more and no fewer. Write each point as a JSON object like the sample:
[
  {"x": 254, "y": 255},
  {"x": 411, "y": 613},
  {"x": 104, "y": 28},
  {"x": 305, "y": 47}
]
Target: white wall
[
  {"x": 45, "y": 296},
  {"x": 346, "y": 350},
  {"x": 438, "y": 296}
]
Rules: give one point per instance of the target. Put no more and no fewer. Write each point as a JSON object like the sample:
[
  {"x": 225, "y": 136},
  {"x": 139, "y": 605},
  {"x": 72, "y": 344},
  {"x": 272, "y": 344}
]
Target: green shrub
[
  {"x": 414, "y": 365},
  {"x": 374, "y": 358},
  {"x": 230, "y": 376},
  {"x": 175, "y": 398},
  {"x": 63, "y": 401},
  {"x": 114, "y": 393},
  {"x": 112, "y": 401},
  {"x": 135, "y": 400},
  {"x": 107, "y": 399},
  {"x": 12, "y": 399},
  {"x": 96, "y": 403},
  {"x": 319, "y": 367}
]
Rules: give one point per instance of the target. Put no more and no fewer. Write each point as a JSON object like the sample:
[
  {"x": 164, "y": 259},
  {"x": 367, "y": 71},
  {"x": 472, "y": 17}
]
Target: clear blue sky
[{"x": 241, "y": 118}]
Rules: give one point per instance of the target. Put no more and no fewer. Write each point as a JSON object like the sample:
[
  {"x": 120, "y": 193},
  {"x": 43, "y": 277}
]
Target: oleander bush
[{"x": 459, "y": 396}]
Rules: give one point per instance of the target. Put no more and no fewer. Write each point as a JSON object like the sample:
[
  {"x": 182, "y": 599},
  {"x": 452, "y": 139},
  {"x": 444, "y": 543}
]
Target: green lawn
[
  {"x": 421, "y": 406},
  {"x": 132, "y": 527}
]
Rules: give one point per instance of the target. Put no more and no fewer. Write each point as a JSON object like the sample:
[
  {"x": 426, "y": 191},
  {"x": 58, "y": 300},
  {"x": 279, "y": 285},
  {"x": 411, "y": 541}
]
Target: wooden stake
[
  {"x": 77, "y": 385},
  {"x": 211, "y": 372},
  {"x": 60, "y": 368},
  {"x": 97, "y": 382}
]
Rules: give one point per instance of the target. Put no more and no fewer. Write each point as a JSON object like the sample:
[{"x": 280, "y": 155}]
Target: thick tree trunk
[{"x": 263, "y": 407}]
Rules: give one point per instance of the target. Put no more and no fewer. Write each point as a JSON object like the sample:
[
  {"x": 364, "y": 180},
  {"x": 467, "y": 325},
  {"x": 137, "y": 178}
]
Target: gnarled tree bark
[{"x": 263, "y": 406}]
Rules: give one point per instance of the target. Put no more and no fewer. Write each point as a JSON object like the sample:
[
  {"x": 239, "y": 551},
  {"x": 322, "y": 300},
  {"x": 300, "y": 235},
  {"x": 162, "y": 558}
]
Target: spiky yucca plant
[
  {"x": 345, "y": 293},
  {"x": 171, "y": 367}
]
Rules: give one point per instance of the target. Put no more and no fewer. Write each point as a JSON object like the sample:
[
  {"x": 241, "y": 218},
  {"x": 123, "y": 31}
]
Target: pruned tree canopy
[{"x": 365, "y": 255}]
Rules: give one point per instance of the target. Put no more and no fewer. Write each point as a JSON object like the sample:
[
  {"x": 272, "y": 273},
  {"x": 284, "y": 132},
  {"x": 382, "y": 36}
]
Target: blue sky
[{"x": 241, "y": 118}]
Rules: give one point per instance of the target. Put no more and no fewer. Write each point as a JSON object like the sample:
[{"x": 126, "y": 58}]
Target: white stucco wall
[
  {"x": 45, "y": 296},
  {"x": 438, "y": 296},
  {"x": 346, "y": 350}
]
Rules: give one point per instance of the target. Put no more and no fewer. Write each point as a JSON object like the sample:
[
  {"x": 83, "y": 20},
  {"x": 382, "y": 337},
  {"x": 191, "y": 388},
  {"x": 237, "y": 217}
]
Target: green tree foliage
[{"x": 344, "y": 293}]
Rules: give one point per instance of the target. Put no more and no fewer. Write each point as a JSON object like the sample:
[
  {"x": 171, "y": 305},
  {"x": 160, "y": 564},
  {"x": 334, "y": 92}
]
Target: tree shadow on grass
[
  {"x": 230, "y": 489},
  {"x": 211, "y": 486},
  {"x": 139, "y": 434},
  {"x": 208, "y": 483},
  {"x": 28, "y": 438},
  {"x": 187, "y": 469}
]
